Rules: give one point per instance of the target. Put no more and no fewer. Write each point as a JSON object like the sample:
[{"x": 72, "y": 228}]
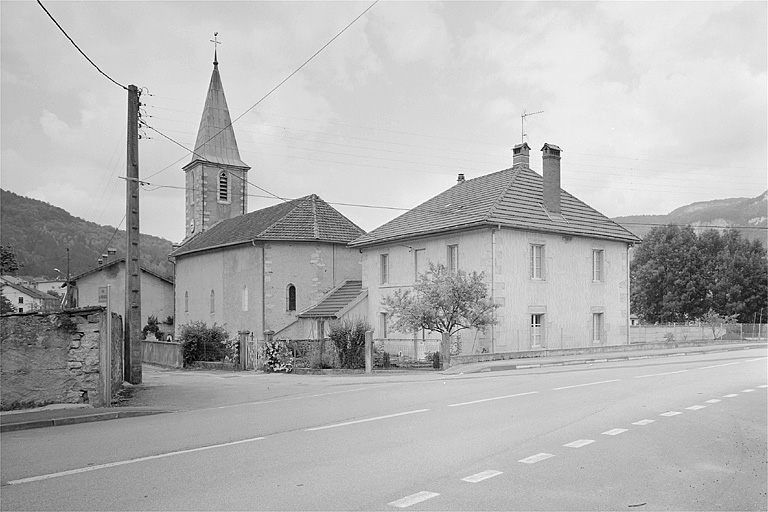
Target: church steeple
[{"x": 216, "y": 176}]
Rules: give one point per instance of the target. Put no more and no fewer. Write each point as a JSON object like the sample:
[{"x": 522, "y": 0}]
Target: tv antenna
[{"x": 522, "y": 123}]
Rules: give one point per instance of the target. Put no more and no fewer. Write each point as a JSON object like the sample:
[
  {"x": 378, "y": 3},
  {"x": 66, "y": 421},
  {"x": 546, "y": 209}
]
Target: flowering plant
[{"x": 278, "y": 357}]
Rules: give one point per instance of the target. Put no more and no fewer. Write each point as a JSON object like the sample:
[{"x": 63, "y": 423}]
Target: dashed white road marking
[
  {"x": 354, "y": 422},
  {"x": 536, "y": 458},
  {"x": 713, "y": 401},
  {"x": 493, "y": 398},
  {"x": 479, "y": 477},
  {"x": 763, "y": 386},
  {"x": 614, "y": 432},
  {"x": 587, "y": 384},
  {"x": 731, "y": 395},
  {"x": 747, "y": 390},
  {"x": 716, "y": 366},
  {"x": 579, "y": 443},
  {"x": 413, "y": 499},
  {"x": 695, "y": 407},
  {"x": 643, "y": 422},
  {"x": 657, "y": 374},
  {"x": 670, "y": 413},
  {"x": 129, "y": 461}
]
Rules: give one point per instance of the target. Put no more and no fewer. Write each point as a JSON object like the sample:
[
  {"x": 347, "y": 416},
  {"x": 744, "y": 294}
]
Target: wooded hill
[
  {"x": 39, "y": 234},
  {"x": 748, "y": 215}
]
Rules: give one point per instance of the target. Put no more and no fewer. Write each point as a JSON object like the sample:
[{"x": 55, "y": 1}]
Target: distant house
[
  {"x": 90, "y": 289},
  {"x": 556, "y": 267},
  {"x": 252, "y": 272},
  {"x": 25, "y": 298}
]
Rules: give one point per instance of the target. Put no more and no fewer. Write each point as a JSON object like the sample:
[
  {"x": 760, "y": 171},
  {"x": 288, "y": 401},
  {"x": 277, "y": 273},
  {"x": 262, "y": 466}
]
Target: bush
[
  {"x": 349, "y": 339},
  {"x": 152, "y": 326},
  {"x": 278, "y": 357},
  {"x": 202, "y": 343}
]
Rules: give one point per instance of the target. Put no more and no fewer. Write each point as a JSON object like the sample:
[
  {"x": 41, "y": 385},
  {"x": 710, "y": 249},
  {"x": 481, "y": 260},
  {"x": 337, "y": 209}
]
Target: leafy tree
[
  {"x": 8, "y": 262},
  {"x": 6, "y": 306},
  {"x": 445, "y": 302},
  {"x": 678, "y": 276}
]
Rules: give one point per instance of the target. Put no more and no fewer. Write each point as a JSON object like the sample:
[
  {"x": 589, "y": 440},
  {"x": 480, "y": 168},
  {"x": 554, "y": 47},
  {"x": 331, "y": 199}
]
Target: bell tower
[{"x": 216, "y": 177}]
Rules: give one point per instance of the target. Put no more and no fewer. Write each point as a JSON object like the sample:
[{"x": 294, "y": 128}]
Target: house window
[
  {"x": 384, "y": 267},
  {"x": 223, "y": 187},
  {"x": 21, "y": 310},
  {"x": 597, "y": 327},
  {"x": 245, "y": 298},
  {"x": 186, "y": 302},
  {"x": 291, "y": 298},
  {"x": 383, "y": 324},
  {"x": 21, "y": 300},
  {"x": 453, "y": 258},
  {"x": 597, "y": 265},
  {"x": 537, "y": 330},
  {"x": 419, "y": 262},
  {"x": 213, "y": 302},
  {"x": 537, "y": 261}
]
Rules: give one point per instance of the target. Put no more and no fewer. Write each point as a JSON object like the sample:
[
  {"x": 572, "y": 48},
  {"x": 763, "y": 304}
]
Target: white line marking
[
  {"x": 747, "y": 390},
  {"x": 643, "y": 422},
  {"x": 714, "y": 401},
  {"x": 758, "y": 359},
  {"x": 716, "y": 366},
  {"x": 579, "y": 443},
  {"x": 533, "y": 459},
  {"x": 413, "y": 499},
  {"x": 588, "y": 384},
  {"x": 129, "y": 461},
  {"x": 354, "y": 422},
  {"x": 695, "y": 407},
  {"x": 731, "y": 395},
  {"x": 615, "y": 432},
  {"x": 763, "y": 386},
  {"x": 670, "y": 413},
  {"x": 479, "y": 477},
  {"x": 657, "y": 374},
  {"x": 489, "y": 399}
]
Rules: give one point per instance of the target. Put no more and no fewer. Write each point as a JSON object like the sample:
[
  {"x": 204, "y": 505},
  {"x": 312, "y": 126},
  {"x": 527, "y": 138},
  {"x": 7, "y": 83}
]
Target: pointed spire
[{"x": 216, "y": 137}]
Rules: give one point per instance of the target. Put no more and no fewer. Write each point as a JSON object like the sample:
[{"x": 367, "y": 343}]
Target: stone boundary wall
[
  {"x": 59, "y": 358},
  {"x": 162, "y": 353}
]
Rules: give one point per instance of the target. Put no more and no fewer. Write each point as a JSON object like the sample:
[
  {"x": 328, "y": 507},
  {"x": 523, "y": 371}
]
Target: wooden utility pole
[{"x": 132, "y": 318}]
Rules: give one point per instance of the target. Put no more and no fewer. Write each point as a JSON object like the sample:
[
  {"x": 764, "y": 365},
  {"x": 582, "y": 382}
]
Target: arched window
[
  {"x": 213, "y": 302},
  {"x": 291, "y": 298},
  {"x": 245, "y": 298},
  {"x": 186, "y": 302},
  {"x": 223, "y": 187}
]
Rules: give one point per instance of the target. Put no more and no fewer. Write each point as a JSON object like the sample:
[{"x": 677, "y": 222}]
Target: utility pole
[{"x": 132, "y": 319}]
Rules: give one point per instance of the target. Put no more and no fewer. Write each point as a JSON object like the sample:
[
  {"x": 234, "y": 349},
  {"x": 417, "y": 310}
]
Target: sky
[{"x": 655, "y": 104}]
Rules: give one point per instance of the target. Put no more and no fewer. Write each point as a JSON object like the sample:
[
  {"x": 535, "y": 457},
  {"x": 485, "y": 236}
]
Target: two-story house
[{"x": 557, "y": 269}]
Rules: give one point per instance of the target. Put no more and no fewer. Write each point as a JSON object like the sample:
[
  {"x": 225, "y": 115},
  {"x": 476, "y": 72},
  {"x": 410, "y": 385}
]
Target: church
[{"x": 258, "y": 271}]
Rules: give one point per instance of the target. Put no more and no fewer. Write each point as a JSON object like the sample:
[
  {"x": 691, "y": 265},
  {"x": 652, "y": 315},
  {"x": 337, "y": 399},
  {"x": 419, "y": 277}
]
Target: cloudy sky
[{"x": 655, "y": 104}]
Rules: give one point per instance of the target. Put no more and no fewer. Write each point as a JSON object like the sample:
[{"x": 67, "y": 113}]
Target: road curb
[{"x": 73, "y": 420}]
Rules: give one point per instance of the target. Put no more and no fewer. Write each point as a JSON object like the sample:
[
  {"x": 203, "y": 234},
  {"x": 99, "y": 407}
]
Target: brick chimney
[
  {"x": 520, "y": 154},
  {"x": 551, "y": 171},
  {"x": 461, "y": 178}
]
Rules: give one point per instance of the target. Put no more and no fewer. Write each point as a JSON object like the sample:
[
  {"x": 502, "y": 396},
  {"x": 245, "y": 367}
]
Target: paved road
[{"x": 683, "y": 433}]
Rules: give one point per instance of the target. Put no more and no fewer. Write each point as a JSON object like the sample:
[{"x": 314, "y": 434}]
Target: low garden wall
[
  {"x": 162, "y": 353},
  {"x": 63, "y": 357}
]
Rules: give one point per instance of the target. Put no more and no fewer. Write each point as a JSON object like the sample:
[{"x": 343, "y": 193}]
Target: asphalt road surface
[{"x": 682, "y": 433}]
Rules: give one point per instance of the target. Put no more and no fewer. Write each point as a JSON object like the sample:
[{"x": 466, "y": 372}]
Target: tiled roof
[
  {"x": 305, "y": 219},
  {"x": 335, "y": 301},
  {"x": 215, "y": 137},
  {"x": 512, "y": 198},
  {"x": 31, "y": 292},
  {"x": 115, "y": 262}
]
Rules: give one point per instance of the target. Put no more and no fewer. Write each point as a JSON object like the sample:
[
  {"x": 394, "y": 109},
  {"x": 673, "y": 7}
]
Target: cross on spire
[{"x": 216, "y": 43}]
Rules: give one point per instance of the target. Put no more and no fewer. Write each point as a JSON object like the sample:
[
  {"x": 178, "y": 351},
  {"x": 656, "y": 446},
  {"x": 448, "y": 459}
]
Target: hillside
[
  {"x": 40, "y": 234},
  {"x": 749, "y": 214}
]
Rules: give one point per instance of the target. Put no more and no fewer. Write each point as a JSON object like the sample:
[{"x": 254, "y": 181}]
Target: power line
[{"x": 78, "y": 48}]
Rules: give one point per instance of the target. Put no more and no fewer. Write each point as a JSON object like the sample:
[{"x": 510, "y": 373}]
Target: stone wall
[
  {"x": 162, "y": 353},
  {"x": 58, "y": 358}
]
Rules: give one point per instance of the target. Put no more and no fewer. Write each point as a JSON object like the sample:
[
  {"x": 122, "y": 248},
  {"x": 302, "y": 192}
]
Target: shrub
[
  {"x": 202, "y": 343},
  {"x": 348, "y": 337},
  {"x": 277, "y": 357},
  {"x": 152, "y": 326}
]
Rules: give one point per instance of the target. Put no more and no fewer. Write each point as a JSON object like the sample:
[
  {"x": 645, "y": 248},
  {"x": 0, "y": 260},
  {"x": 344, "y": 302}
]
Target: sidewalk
[{"x": 185, "y": 389}]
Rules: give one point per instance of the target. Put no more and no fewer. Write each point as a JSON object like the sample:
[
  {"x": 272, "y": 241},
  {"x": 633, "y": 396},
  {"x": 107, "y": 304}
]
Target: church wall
[
  {"x": 242, "y": 289},
  {"x": 198, "y": 275}
]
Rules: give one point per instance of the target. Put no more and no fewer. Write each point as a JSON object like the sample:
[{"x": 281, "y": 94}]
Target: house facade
[
  {"x": 556, "y": 268},
  {"x": 252, "y": 272},
  {"x": 90, "y": 289},
  {"x": 25, "y": 298}
]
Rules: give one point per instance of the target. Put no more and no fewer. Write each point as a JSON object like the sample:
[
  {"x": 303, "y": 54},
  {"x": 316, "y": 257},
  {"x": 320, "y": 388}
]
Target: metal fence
[
  {"x": 696, "y": 331},
  {"x": 406, "y": 350}
]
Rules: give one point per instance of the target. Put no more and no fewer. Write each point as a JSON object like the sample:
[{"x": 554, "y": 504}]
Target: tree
[
  {"x": 8, "y": 262},
  {"x": 445, "y": 302},
  {"x": 6, "y": 306},
  {"x": 678, "y": 276}
]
